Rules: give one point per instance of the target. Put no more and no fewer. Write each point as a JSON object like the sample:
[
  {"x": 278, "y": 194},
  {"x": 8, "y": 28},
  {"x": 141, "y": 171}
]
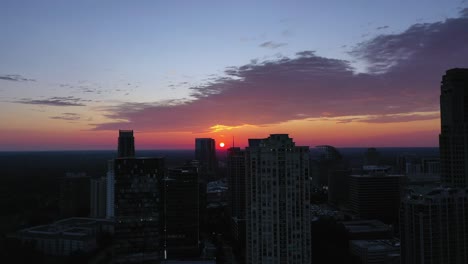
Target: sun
[{"x": 221, "y": 145}]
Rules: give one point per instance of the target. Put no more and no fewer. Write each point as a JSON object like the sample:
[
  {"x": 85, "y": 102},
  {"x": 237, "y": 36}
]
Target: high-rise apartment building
[
  {"x": 126, "y": 146},
  {"x": 453, "y": 138},
  {"x": 181, "y": 219},
  {"x": 434, "y": 226},
  {"x": 277, "y": 201},
  {"x": 138, "y": 209},
  {"x": 205, "y": 153}
]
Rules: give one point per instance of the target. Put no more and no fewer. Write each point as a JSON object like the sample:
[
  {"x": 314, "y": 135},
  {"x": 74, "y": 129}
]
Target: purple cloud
[
  {"x": 272, "y": 45},
  {"x": 15, "y": 78},
  {"x": 404, "y": 74},
  {"x": 66, "y": 116},
  {"x": 55, "y": 101}
]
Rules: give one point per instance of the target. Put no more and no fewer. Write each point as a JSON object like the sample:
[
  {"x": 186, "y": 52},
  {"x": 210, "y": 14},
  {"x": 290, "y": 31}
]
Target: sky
[{"x": 360, "y": 73}]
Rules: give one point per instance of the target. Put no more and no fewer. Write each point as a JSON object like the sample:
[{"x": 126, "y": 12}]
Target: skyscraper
[
  {"x": 205, "y": 153},
  {"x": 236, "y": 176},
  {"x": 434, "y": 226},
  {"x": 126, "y": 146},
  {"x": 181, "y": 219},
  {"x": 453, "y": 138},
  {"x": 137, "y": 208},
  {"x": 278, "y": 197},
  {"x": 434, "y": 222}
]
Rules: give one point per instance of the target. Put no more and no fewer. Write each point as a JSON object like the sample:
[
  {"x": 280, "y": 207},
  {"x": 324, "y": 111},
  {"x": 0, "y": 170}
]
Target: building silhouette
[
  {"x": 329, "y": 160},
  {"x": 126, "y": 144},
  {"x": 181, "y": 213},
  {"x": 453, "y": 139},
  {"x": 110, "y": 187},
  {"x": 277, "y": 201},
  {"x": 205, "y": 153},
  {"x": 74, "y": 199},
  {"x": 434, "y": 221},
  {"x": 125, "y": 148},
  {"x": 138, "y": 209},
  {"x": 98, "y": 199},
  {"x": 433, "y": 226},
  {"x": 236, "y": 175},
  {"x": 376, "y": 195}
]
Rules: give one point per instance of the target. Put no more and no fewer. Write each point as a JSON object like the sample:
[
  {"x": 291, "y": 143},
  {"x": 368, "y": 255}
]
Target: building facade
[
  {"x": 181, "y": 213},
  {"x": 277, "y": 201},
  {"x": 98, "y": 197},
  {"x": 138, "y": 209},
  {"x": 434, "y": 226},
  {"x": 434, "y": 222},
  {"x": 453, "y": 139},
  {"x": 126, "y": 144},
  {"x": 376, "y": 195},
  {"x": 205, "y": 153}
]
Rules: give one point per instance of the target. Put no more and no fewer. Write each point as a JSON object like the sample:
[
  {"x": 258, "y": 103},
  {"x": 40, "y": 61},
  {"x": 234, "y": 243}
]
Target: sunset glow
[{"x": 72, "y": 81}]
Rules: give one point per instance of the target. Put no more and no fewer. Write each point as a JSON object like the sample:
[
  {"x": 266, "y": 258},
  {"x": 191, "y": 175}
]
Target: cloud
[
  {"x": 464, "y": 12},
  {"x": 55, "y": 101},
  {"x": 442, "y": 44},
  {"x": 382, "y": 27},
  {"x": 401, "y": 85},
  {"x": 392, "y": 118},
  {"x": 15, "y": 78},
  {"x": 272, "y": 45},
  {"x": 66, "y": 116}
]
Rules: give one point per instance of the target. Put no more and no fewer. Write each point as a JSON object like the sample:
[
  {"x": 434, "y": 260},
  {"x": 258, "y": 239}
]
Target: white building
[{"x": 278, "y": 202}]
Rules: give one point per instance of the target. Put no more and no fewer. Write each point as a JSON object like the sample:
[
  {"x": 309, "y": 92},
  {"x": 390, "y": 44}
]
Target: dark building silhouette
[
  {"x": 376, "y": 195},
  {"x": 329, "y": 160},
  {"x": 236, "y": 176},
  {"x": 278, "y": 215},
  {"x": 338, "y": 187},
  {"x": 74, "y": 197},
  {"x": 138, "y": 209},
  {"x": 181, "y": 215},
  {"x": 371, "y": 157},
  {"x": 453, "y": 138},
  {"x": 434, "y": 226},
  {"x": 126, "y": 146},
  {"x": 98, "y": 197},
  {"x": 434, "y": 221},
  {"x": 205, "y": 153}
]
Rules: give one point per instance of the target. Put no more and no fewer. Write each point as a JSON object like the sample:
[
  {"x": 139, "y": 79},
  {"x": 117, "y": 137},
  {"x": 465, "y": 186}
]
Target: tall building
[
  {"x": 98, "y": 197},
  {"x": 278, "y": 201},
  {"x": 236, "y": 176},
  {"x": 181, "y": 219},
  {"x": 110, "y": 182},
  {"x": 138, "y": 209},
  {"x": 434, "y": 226},
  {"x": 376, "y": 195},
  {"x": 453, "y": 138},
  {"x": 205, "y": 153},
  {"x": 74, "y": 195},
  {"x": 434, "y": 222},
  {"x": 126, "y": 146}
]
